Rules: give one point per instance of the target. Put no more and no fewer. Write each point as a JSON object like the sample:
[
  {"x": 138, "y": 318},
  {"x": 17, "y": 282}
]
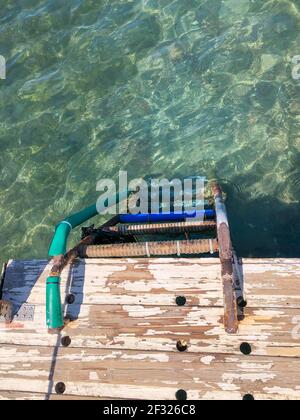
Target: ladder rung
[
  {"x": 148, "y": 249},
  {"x": 179, "y": 227}
]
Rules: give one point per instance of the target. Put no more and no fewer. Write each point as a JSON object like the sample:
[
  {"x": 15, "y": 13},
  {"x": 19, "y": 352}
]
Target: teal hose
[
  {"x": 59, "y": 242},
  {"x": 54, "y": 316}
]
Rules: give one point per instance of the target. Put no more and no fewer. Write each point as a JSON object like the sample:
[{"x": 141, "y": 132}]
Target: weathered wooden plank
[
  {"x": 123, "y": 283},
  {"x": 272, "y": 332},
  {"x": 20, "y": 396},
  {"x": 128, "y": 317},
  {"x": 147, "y": 283},
  {"x": 30, "y": 396},
  {"x": 147, "y": 375},
  {"x": 270, "y": 286}
]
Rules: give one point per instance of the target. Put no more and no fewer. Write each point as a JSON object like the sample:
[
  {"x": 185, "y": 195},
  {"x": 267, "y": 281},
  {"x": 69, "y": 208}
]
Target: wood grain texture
[
  {"x": 151, "y": 375},
  {"x": 123, "y": 342},
  {"x": 270, "y": 332},
  {"x": 157, "y": 282},
  {"x": 31, "y": 396}
]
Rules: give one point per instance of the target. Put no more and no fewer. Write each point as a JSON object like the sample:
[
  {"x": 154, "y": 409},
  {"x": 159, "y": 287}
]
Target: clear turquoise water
[{"x": 155, "y": 87}]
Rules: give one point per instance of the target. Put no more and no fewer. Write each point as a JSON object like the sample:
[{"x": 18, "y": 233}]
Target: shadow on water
[
  {"x": 73, "y": 299},
  {"x": 266, "y": 226}
]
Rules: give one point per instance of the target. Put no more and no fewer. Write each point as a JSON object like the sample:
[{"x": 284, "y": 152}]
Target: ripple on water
[{"x": 155, "y": 87}]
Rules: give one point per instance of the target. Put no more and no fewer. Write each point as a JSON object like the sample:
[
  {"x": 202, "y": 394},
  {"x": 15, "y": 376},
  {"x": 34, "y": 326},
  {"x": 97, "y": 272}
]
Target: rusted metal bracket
[
  {"x": 226, "y": 258},
  {"x": 61, "y": 261},
  {"x": 6, "y": 308},
  {"x": 6, "y": 311}
]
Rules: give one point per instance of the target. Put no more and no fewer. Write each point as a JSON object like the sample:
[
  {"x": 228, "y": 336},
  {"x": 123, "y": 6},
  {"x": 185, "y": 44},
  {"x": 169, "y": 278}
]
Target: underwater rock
[
  {"x": 283, "y": 24},
  {"x": 201, "y": 62},
  {"x": 265, "y": 94},
  {"x": 103, "y": 49},
  {"x": 186, "y": 23},
  {"x": 208, "y": 13},
  {"x": 218, "y": 82},
  {"x": 280, "y": 30},
  {"x": 294, "y": 107},
  {"x": 231, "y": 9},
  {"x": 268, "y": 61},
  {"x": 140, "y": 34},
  {"x": 234, "y": 61}
]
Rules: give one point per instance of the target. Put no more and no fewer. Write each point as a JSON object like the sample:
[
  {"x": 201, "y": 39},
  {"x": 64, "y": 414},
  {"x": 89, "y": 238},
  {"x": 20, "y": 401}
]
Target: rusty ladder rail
[{"x": 226, "y": 259}]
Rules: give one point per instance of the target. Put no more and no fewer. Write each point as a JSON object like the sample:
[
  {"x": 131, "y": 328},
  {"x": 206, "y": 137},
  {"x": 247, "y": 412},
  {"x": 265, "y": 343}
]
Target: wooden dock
[{"x": 127, "y": 330}]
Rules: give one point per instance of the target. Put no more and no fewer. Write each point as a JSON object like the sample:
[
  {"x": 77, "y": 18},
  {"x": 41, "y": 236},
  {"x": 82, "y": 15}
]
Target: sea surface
[{"x": 160, "y": 88}]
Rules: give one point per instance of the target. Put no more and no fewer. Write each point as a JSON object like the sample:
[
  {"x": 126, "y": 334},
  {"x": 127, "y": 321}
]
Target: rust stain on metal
[
  {"x": 225, "y": 246},
  {"x": 6, "y": 311},
  {"x": 226, "y": 259},
  {"x": 180, "y": 227},
  {"x": 142, "y": 249}
]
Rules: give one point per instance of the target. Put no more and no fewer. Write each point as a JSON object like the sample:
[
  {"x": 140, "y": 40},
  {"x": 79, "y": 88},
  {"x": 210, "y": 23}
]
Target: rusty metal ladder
[
  {"x": 232, "y": 292},
  {"x": 221, "y": 243}
]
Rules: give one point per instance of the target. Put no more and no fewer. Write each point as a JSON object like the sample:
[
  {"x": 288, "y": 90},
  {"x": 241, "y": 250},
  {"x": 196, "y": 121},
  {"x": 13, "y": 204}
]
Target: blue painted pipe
[{"x": 165, "y": 217}]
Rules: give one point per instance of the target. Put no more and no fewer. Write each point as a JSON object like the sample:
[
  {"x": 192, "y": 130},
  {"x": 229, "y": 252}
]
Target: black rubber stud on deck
[
  {"x": 70, "y": 299},
  {"x": 65, "y": 341},
  {"x": 245, "y": 348},
  {"x": 241, "y": 302},
  {"x": 180, "y": 300},
  {"x": 248, "y": 397},
  {"x": 181, "y": 394},
  {"x": 60, "y": 388},
  {"x": 181, "y": 345}
]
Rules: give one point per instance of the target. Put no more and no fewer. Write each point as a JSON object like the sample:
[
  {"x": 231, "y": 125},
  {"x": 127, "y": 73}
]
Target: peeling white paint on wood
[
  {"x": 128, "y": 370},
  {"x": 207, "y": 359},
  {"x": 147, "y": 283},
  {"x": 128, "y": 326},
  {"x": 116, "y": 327}
]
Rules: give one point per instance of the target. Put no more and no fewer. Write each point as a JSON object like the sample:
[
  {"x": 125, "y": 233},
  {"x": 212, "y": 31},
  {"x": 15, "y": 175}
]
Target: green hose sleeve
[
  {"x": 59, "y": 242},
  {"x": 82, "y": 216},
  {"x": 59, "y": 247},
  {"x": 54, "y": 317}
]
